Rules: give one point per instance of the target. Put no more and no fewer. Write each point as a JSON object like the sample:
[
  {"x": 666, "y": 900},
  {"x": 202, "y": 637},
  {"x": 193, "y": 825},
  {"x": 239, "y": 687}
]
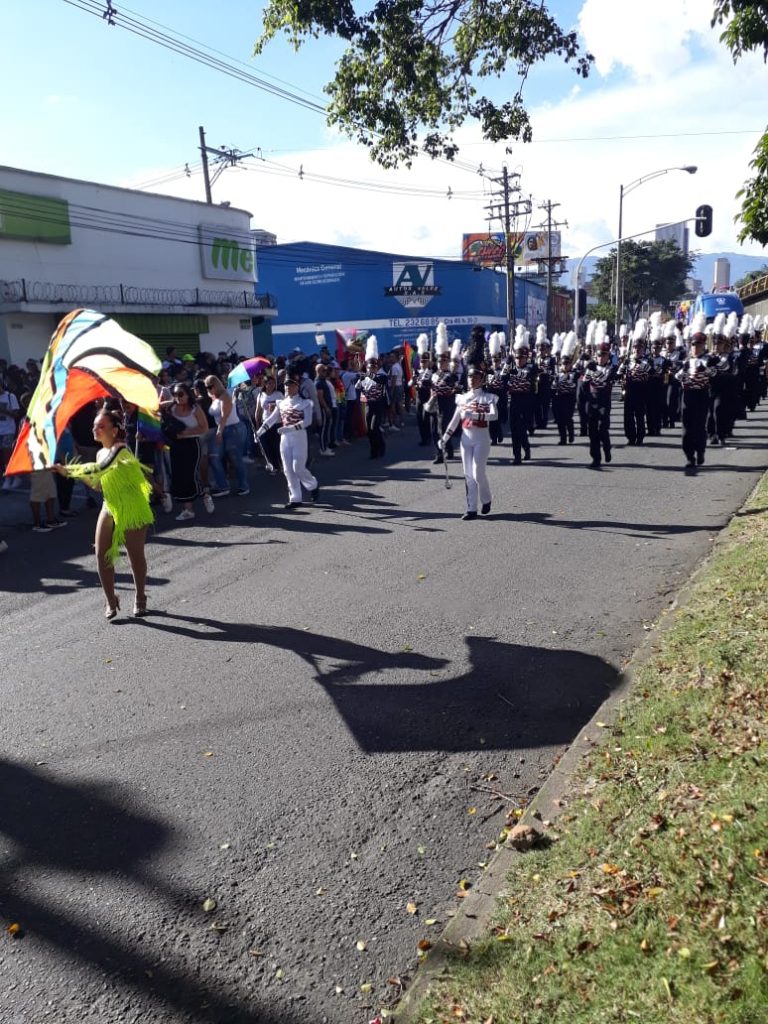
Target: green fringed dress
[{"x": 122, "y": 480}]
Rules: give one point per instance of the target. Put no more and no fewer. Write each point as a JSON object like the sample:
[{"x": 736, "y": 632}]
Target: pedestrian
[
  {"x": 125, "y": 513},
  {"x": 270, "y": 441},
  {"x": 325, "y": 400},
  {"x": 185, "y": 450},
  {"x": 294, "y": 414},
  {"x": 475, "y": 409},
  {"x": 10, "y": 413},
  {"x": 228, "y": 440}
]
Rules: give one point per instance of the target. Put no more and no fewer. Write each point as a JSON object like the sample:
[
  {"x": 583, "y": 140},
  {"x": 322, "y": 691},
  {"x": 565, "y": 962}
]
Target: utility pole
[
  {"x": 224, "y": 158},
  {"x": 508, "y": 210},
  {"x": 551, "y": 259}
]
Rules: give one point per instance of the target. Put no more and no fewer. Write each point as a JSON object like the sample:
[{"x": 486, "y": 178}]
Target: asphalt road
[{"x": 307, "y": 729}]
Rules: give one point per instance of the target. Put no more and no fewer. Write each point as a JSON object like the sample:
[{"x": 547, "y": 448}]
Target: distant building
[
  {"x": 173, "y": 271},
  {"x": 677, "y": 233},
  {"x": 262, "y": 237},
  {"x": 722, "y": 280}
]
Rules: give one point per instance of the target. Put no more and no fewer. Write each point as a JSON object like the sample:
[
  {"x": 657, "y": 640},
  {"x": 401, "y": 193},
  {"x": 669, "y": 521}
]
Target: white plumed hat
[
  {"x": 698, "y": 325},
  {"x": 494, "y": 344},
  {"x": 456, "y": 350},
  {"x": 422, "y": 344},
  {"x": 521, "y": 338},
  {"x": 441, "y": 339},
  {"x": 569, "y": 345},
  {"x": 371, "y": 349},
  {"x": 639, "y": 332}
]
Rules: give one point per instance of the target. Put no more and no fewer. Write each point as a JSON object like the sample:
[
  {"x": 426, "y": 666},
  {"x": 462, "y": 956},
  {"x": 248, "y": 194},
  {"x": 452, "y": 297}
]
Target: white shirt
[{"x": 396, "y": 375}]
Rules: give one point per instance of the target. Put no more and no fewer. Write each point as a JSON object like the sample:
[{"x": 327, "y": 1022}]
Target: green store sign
[{"x": 34, "y": 218}]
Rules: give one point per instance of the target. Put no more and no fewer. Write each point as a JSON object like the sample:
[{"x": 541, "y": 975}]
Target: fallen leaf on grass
[
  {"x": 431, "y": 921},
  {"x": 219, "y": 926},
  {"x": 207, "y": 753},
  {"x": 361, "y": 946},
  {"x": 15, "y": 930},
  {"x": 471, "y": 810},
  {"x": 209, "y": 905},
  {"x": 366, "y": 986},
  {"x": 424, "y": 945},
  {"x": 411, "y": 908}
]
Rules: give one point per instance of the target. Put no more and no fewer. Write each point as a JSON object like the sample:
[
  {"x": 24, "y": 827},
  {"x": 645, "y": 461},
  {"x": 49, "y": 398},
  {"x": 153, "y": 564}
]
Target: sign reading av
[
  {"x": 227, "y": 255},
  {"x": 413, "y": 284}
]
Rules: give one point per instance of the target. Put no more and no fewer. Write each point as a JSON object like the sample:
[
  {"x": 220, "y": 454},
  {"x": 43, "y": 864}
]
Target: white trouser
[
  {"x": 293, "y": 452},
  {"x": 475, "y": 446}
]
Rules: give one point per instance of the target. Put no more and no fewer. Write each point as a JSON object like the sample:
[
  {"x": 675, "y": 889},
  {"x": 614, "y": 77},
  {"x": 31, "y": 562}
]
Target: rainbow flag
[{"x": 149, "y": 427}]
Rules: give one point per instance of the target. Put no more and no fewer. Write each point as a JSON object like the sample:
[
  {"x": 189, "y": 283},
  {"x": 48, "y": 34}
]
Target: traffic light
[{"x": 703, "y": 221}]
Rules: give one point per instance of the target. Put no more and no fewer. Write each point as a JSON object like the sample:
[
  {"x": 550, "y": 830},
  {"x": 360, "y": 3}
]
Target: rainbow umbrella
[{"x": 247, "y": 369}]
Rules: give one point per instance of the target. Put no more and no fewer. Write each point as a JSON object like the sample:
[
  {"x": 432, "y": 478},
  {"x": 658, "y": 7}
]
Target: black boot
[{"x": 485, "y": 509}]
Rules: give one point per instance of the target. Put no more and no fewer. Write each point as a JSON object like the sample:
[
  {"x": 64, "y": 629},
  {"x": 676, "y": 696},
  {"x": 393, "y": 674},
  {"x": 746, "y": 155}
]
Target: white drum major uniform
[
  {"x": 295, "y": 416},
  {"x": 474, "y": 411}
]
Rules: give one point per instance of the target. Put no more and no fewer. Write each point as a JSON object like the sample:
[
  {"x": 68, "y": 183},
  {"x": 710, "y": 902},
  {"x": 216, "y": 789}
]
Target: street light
[{"x": 623, "y": 191}]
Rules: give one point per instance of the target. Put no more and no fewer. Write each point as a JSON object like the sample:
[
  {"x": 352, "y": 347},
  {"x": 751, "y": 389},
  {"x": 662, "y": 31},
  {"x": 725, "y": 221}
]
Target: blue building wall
[{"x": 323, "y": 288}]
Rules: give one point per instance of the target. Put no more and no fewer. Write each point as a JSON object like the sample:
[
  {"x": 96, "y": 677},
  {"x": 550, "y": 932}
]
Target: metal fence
[
  {"x": 756, "y": 287},
  {"x": 111, "y": 295}
]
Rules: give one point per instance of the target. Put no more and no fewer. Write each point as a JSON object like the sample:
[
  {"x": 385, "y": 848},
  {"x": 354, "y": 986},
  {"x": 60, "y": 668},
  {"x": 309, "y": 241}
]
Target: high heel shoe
[
  {"x": 112, "y": 609},
  {"x": 139, "y": 608}
]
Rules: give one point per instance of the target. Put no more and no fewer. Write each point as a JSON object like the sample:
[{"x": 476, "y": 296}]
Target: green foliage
[
  {"x": 654, "y": 271},
  {"x": 746, "y": 30},
  {"x": 602, "y": 311},
  {"x": 410, "y": 74},
  {"x": 752, "y": 275}
]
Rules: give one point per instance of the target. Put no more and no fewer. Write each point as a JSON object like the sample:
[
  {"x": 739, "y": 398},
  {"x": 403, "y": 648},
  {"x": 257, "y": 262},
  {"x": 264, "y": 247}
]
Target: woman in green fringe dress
[{"x": 125, "y": 514}]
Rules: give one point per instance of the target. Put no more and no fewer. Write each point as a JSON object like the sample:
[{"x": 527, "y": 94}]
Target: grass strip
[{"x": 649, "y": 902}]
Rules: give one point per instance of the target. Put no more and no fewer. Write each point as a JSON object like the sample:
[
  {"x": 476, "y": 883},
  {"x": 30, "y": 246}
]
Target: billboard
[
  {"x": 487, "y": 249},
  {"x": 227, "y": 254},
  {"x": 34, "y": 218}
]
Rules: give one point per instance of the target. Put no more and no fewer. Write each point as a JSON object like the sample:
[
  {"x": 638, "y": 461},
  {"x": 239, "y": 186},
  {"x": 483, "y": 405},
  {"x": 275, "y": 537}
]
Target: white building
[{"x": 172, "y": 271}]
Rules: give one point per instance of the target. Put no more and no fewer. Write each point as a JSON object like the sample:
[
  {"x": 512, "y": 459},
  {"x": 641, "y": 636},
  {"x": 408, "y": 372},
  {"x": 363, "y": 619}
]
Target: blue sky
[{"x": 96, "y": 102}]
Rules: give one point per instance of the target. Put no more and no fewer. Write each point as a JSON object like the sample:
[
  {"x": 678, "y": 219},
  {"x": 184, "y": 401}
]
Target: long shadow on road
[
  {"x": 81, "y": 834},
  {"x": 511, "y": 696}
]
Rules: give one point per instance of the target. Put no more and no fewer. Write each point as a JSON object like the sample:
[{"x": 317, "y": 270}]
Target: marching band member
[
  {"x": 521, "y": 390},
  {"x": 634, "y": 373},
  {"x": 295, "y": 416},
  {"x": 475, "y": 409},
  {"x": 674, "y": 354},
  {"x": 656, "y": 390},
  {"x": 598, "y": 381},
  {"x": 443, "y": 398},
  {"x": 374, "y": 392},
  {"x": 496, "y": 384},
  {"x": 564, "y": 386},
  {"x": 422, "y": 382},
  {"x": 694, "y": 378},
  {"x": 545, "y": 364}
]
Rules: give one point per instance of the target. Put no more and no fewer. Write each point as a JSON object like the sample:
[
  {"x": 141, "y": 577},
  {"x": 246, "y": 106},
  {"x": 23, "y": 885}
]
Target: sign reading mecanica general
[
  {"x": 34, "y": 218},
  {"x": 227, "y": 254}
]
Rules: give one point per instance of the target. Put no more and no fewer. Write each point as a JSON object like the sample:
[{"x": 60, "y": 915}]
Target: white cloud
[{"x": 644, "y": 37}]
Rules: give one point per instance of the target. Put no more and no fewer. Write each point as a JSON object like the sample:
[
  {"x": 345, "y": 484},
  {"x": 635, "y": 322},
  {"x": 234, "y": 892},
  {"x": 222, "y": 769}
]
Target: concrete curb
[{"x": 476, "y": 912}]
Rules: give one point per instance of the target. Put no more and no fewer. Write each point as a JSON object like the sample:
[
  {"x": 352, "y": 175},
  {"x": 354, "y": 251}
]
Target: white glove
[{"x": 443, "y": 442}]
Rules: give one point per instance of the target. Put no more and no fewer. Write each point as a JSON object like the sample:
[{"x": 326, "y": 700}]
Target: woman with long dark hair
[
  {"x": 125, "y": 514},
  {"x": 189, "y": 424}
]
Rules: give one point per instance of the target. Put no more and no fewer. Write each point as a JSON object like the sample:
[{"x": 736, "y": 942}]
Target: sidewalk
[{"x": 643, "y": 896}]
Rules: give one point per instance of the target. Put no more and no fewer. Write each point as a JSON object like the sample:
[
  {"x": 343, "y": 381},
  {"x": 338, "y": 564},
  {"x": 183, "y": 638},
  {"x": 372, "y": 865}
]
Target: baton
[{"x": 269, "y": 465}]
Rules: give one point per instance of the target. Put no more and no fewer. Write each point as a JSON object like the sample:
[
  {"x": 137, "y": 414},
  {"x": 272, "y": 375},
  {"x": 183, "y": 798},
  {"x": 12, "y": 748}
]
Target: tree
[
  {"x": 746, "y": 29},
  {"x": 415, "y": 66},
  {"x": 752, "y": 275},
  {"x": 650, "y": 272}
]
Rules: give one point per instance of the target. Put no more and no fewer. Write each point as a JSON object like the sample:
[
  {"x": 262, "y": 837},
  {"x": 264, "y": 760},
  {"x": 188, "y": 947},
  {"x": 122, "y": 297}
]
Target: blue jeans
[{"x": 231, "y": 446}]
